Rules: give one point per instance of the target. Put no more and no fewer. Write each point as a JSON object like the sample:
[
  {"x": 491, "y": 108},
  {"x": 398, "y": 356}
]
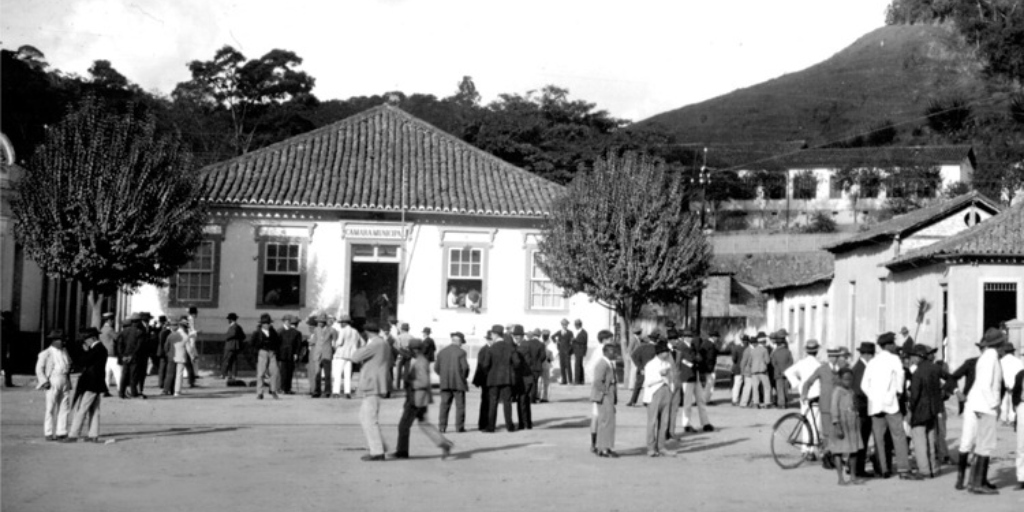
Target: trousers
[
  {"x": 781, "y": 393},
  {"x": 693, "y": 393},
  {"x": 447, "y": 396},
  {"x": 502, "y": 395},
  {"x": 266, "y": 363},
  {"x": 314, "y": 370},
  {"x": 523, "y": 404},
  {"x": 658, "y": 419},
  {"x": 737, "y": 388},
  {"x": 606, "y": 423},
  {"x": 579, "y": 352},
  {"x": 564, "y": 363},
  {"x": 58, "y": 405},
  {"x": 923, "y": 437},
  {"x": 893, "y": 424},
  {"x": 708, "y": 386},
  {"x": 409, "y": 413},
  {"x": 638, "y": 386},
  {"x": 87, "y": 412},
  {"x": 230, "y": 363},
  {"x": 369, "y": 418},
  {"x": 758, "y": 382},
  {"x": 112, "y": 369},
  {"x": 286, "y": 372},
  {"x": 545, "y": 383},
  {"x": 979, "y": 434},
  {"x": 1020, "y": 443}
]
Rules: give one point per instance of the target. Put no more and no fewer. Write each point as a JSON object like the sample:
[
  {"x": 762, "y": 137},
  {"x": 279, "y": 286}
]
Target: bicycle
[{"x": 795, "y": 438}]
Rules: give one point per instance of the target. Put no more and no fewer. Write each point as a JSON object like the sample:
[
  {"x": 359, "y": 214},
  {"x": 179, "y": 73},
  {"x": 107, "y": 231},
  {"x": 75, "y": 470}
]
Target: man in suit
[
  {"x": 452, "y": 367},
  {"x": 658, "y": 386},
  {"x": 266, "y": 342},
  {"x": 500, "y": 362},
  {"x": 604, "y": 394},
  {"x": 291, "y": 342},
  {"x": 132, "y": 354},
  {"x": 321, "y": 353},
  {"x": 347, "y": 343},
  {"x": 417, "y": 398},
  {"x": 924, "y": 407},
  {"x": 827, "y": 375},
  {"x": 563, "y": 341},
  {"x": 526, "y": 382},
  {"x": 90, "y": 387},
  {"x": 708, "y": 365},
  {"x": 232, "y": 346},
  {"x": 736, "y": 349},
  {"x": 538, "y": 355},
  {"x": 165, "y": 357},
  {"x": 781, "y": 359},
  {"x": 53, "y": 372},
  {"x": 579, "y": 350},
  {"x": 884, "y": 378},
  {"x": 107, "y": 336},
  {"x": 860, "y": 402},
  {"x": 429, "y": 347},
  {"x": 480, "y": 381},
  {"x": 374, "y": 385},
  {"x": 404, "y": 355},
  {"x": 690, "y": 374}
]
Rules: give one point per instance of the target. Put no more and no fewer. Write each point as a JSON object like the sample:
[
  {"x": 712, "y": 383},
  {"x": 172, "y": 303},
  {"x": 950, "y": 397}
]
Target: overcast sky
[{"x": 633, "y": 58}]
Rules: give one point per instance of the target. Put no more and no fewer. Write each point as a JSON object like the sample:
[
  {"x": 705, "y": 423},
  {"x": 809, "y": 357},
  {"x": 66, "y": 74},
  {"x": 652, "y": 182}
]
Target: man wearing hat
[
  {"x": 754, "y": 367},
  {"x": 563, "y": 341},
  {"x": 500, "y": 362},
  {"x": 90, "y": 388},
  {"x": 799, "y": 373},
  {"x": 604, "y": 395},
  {"x": 884, "y": 379},
  {"x": 544, "y": 384},
  {"x": 480, "y": 381},
  {"x": 826, "y": 376},
  {"x": 531, "y": 352},
  {"x": 170, "y": 373},
  {"x": 860, "y": 403},
  {"x": 709, "y": 364},
  {"x": 641, "y": 355},
  {"x": 417, "y": 398},
  {"x": 232, "y": 346},
  {"x": 53, "y": 373},
  {"x": 453, "y": 369},
  {"x": 658, "y": 384},
  {"x": 107, "y": 337},
  {"x": 266, "y": 342},
  {"x": 691, "y": 374},
  {"x": 374, "y": 385},
  {"x": 579, "y": 351},
  {"x": 924, "y": 406},
  {"x": 130, "y": 342},
  {"x": 980, "y": 410},
  {"x": 347, "y": 343},
  {"x": 736, "y": 350},
  {"x": 164, "y": 357},
  {"x": 291, "y": 344},
  {"x": 321, "y": 352},
  {"x": 781, "y": 359}
]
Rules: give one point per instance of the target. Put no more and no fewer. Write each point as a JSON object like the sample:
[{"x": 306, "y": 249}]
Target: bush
[
  {"x": 820, "y": 222},
  {"x": 731, "y": 221}
]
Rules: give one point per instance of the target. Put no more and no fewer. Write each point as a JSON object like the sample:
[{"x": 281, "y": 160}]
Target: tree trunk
[{"x": 95, "y": 313}]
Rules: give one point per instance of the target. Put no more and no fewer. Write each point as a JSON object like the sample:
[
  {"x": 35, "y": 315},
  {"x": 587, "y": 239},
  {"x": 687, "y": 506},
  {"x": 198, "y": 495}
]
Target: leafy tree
[
  {"x": 955, "y": 189},
  {"x": 260, "y": 97},
  {"x": 104, "y": 75},
  {"x": 858, "y": 182},
  {"x": 108, "y": 203},
  {"x": 625, "y": 235},
  {"x": 805, "y": 185},
  {"x": 466, "y": 96},
  {"x": 948, "y": 117}
]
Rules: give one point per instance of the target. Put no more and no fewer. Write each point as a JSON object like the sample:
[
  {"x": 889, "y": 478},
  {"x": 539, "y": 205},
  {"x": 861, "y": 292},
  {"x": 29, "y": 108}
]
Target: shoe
[
  {"x": 446, "y": 450},
  {"x": 461, "y": 431},
  {"x": 335, "y": 396},
  {"x": 400, "y": 455},
  {"x": 911, "y": 476},
  {"x": 91, "y": 440},
  {"x": 275, "y": 396},
  {"x": 259, "y": 396},
  {"x": 609, "y": 454},
  {"x": 654, "y": 454},
  {"x": 67, "y": 439},
  {"x": 631, "y": 404},
  {"x": 708, "y": 428},
  {"x": 372, "y": 458},
  {"x": 689, "y": 429},
  {"x": 62, "y": 438},
  {"x": 348, "y": 396},
  {"x": 1020, "y": 487},
  {"x": 51, "y": 438},
  {"x": 442, "y": 429},
  {"x": 177, "y": 394},
  {"x": 140, "y": 395},
  {"x": 315, "y": 395},
  {"x": 544, "y": 401},
  {"x": 593, "y": 449}
]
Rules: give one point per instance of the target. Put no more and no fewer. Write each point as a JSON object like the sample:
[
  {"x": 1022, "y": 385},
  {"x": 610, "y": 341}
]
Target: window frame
[
  {"x": 528, "y": 303},
  {"x": 261, "y": 265},
  {"x": 447, "y": 249},
  {"x": 172, "y": 295}
]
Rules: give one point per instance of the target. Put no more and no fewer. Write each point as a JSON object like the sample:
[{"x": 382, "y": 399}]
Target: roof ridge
[{"x": 979, "y": 230}]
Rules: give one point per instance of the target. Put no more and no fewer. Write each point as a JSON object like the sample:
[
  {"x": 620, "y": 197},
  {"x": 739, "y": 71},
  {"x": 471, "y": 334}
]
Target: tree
[
  {"x": 858, "y": 182},
  {"x": 466, "y": 96},
  {"x": 104, "y": 75},
  {"x": 805, "y": 185},
  {"x": 624, "y": 234},
  {"x": 108, "y": 203},
  {"x": 949, "y": 117}
]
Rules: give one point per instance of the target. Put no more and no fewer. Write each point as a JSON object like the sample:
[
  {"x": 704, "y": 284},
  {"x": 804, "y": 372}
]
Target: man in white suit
[{"x": 53, "y": 371}]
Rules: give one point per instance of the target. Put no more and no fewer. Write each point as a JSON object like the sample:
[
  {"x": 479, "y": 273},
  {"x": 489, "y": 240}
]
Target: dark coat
[
  {"x": 781, "y": 359},
  {"x": 161, "y": 346},
  {"x": 966, "y": 372},
  {"x": 643, "y": 355},
  {"x": 480, "y": 375},
  {"x": 708, "y": 357},
  {"x": 736, "y": 353},
  {"x": 452, "y": 367},
  {"x": 291, "y": 343},
  {"x": 234, "y": 338},
  {"x": 563, "y": 339},
  {"x": 925, "y": 393},
  {"x": 860, "y": 399},
  {"x": 271, "y": 341},
  {"x": 93, "y": 363},
  {"x": 500, "y": 362},
  {"x": 533, "y": 354},
  {"x": 429, "y": 349},
  {"x": 581, "y": 339},
  {"x": 687, "y": 353},
  {"x": 130, "y": 343}
]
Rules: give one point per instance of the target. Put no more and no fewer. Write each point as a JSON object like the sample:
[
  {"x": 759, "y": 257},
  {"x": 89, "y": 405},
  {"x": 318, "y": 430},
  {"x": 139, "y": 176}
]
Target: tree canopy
[
  {"x": 624, "y": 234},
  {"x": 108, "y": 203}
]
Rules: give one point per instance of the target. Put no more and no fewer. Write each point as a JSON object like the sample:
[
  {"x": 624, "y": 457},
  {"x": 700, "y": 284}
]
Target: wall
[
  {"x": 860, "y": 265},
  {"x": 816, "y": 302},
  {"x": 947, "y": 227},
  {"x": 907, "y": 288},
  {"x": 965, "y": 282}
]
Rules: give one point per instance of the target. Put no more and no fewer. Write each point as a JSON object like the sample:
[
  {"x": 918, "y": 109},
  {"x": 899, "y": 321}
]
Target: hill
[{"x": 892, "y": 73}]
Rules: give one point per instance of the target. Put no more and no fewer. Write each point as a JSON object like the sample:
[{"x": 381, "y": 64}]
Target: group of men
[
  {"x": 759, "y": 366},
  {"x": 53, "y": 374},
  {"x": 143, "y": 347}
]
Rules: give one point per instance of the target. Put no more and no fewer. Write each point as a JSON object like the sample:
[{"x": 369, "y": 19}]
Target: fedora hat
[
  {"x": 321, "y": 318},
  {"x": 55, "y": 334},
  {"x": 866, "y": 347},
  {"x": 886, "y": 339},
  {"x": 812, "y": 346},
  {"x": 136, "y": 317},
  {"x": 89, "y": 332},
  {"x": 232, "y": 317},
  {"x": 920, "y": 350},
  {"x": 833, "y": 352},
  {"x": 993, "y": 337},
  {"x": 265, "y": 319},
  {"x": 498, "y": 330},
  {"x": 517, "y": 330}
]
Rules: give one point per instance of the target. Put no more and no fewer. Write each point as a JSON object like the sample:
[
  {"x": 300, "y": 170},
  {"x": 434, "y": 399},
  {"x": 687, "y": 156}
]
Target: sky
[{"x": 632, "y": 58}]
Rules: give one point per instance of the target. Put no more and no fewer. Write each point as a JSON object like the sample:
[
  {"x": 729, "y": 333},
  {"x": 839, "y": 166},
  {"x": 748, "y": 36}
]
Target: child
[{"x": 845, "y": 439}]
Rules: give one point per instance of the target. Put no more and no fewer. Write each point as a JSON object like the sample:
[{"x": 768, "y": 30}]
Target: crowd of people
[{"x": 894, "y": 394}]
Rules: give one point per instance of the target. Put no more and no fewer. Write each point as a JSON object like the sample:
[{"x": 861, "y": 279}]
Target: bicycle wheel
[{"x": 791, "y": 436}]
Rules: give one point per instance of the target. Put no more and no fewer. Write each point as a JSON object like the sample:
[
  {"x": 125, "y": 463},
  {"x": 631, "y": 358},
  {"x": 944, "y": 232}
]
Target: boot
[
  {"x": 593, "y": 443},
  {"x": 978, "y": 475},
  {"x": 961, "y": 470}
]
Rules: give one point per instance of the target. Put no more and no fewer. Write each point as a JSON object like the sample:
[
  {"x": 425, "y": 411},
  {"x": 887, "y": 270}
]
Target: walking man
[
  {"x": 232, "y": 346},
  {"x": 579, "y": 350},
  {"x": 453, "y": 369},
  {"x": 604, "y": 394},
  {"x": 90, "y": 389},
  {"x": 53, "y": 372},
  {"x": 417, "y": 398},
  {"x": 883, "y": 381},
  {"x": 563, "y": 341},
  {"x": 266, "y": 342},
  {"x": 374, "y": 385}
]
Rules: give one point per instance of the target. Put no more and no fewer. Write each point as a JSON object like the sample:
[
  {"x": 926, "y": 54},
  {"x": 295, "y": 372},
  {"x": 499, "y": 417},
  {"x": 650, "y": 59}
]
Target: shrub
[{"x": 820, "y": 222}]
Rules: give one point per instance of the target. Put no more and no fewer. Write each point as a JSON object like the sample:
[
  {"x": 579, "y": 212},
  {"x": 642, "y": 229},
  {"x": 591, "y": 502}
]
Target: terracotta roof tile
[
  {"x": 875, "y": 156},
  {"x": 912, "y": 221},
  {"x": 765, "y": 270},
  {"x": 999, "y": 236},
  {"x": 380, "y": 159}
]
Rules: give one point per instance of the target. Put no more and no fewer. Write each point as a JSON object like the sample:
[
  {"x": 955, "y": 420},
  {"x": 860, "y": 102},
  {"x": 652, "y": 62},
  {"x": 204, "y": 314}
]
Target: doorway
[
  {"x": 1000, "y": 304},
  {"x": 373, "y": 282}
]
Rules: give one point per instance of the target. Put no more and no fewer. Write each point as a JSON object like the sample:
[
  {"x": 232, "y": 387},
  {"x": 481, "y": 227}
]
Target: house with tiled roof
[
  {"x": 951, "y": 163},
  {"x": 897, "y": 274},
  {"x": 377, "y": 216}
]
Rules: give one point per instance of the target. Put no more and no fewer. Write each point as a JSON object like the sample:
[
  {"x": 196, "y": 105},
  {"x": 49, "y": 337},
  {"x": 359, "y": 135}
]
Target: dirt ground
[{"x": 218, "y": 448}]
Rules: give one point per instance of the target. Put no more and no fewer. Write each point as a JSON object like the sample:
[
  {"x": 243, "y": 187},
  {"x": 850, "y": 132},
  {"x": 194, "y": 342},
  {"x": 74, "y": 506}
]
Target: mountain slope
[{"x": 891, "y": 73}]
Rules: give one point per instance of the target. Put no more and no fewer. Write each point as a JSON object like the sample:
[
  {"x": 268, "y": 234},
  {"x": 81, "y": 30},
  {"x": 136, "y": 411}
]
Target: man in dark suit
[
  {"x": 480, "y": 381},
  {"x": 130, "y": 342},
  {"x": 526, "y": 382},
  {"x": 232, "y": 346},
  {"x": 925, "y": 405},
  {"x": 642, "y": 355},
  {"x": 91, "y": 386},
  {"x": 266, "y": 342},
  {"x": 860, "y": 402},
  {"x": 500, "y": 362},
  {"x": 538, "y": 355},
  {"x": 374, "y": 384},
  {"x": 563, "y": 340},
  {"x": 579, "y": 350},
  {"x": 453, "y": 369},
  {"x": 291, "y": 343},
  {"x": 689, "y": 368}
]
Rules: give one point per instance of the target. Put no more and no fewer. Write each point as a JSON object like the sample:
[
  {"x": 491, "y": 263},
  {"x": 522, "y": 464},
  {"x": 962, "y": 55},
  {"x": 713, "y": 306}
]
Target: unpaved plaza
[{"x": 218, "y": 448}]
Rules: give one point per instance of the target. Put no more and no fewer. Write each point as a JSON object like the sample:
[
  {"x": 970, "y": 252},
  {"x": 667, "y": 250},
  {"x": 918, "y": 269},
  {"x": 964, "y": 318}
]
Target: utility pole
[{"x": 703, "y": 178}]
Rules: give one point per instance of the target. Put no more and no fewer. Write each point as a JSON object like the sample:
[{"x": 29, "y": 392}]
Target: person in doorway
[
  {"x": 579, "y": 351},
  {"x": 359, "y": 307},
  {"x": 563, "y": 341},
  {"x": 232, "y": 346},
  {"x": 90, "y": 388},
  {"x": 374, "y": 385},
  {"x": 53, "y": 374},
  {"x": 452, "y": 368}
]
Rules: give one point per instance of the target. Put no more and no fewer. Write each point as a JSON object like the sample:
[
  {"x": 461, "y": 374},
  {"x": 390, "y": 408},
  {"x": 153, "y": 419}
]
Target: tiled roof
[
  {"x": 741, "y": 155},
  {"x": 772, "y": 269},
  {"x": 874, "y": 156},
  {"x": 999, "y": 236},
  {"x": 380, "y": 159},
  {"x": 913, "y": 221},
  {"x": 799, "y": 283}
]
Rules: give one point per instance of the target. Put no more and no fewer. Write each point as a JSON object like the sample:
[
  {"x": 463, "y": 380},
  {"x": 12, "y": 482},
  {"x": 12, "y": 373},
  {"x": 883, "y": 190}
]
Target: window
[
  {"x": 543, "y": 294},
  {"x": 835, "y": 189},
  {"x": 464, "y": 278},
  {"x": 196, "y": 281},
  {"x": 281, "y": 274}
]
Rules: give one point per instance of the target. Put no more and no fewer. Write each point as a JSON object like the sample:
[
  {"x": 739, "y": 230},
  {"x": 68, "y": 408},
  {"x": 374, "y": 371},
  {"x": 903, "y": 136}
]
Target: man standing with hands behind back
[
  {"x": 453, "y": 368},
  {"x": 563, "y": 340},
  {"x": 579, "y": 350}
]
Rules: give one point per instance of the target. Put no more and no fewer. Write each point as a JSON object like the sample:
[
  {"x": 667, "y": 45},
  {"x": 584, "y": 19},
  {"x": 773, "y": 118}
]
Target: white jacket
[
  {"x": 347, "y": 342},
  {"x": 988, "y": 380},
  {"x": 883, "y": 379},
  {"x": 54, "y": 366},
  {"x": 653, "y": 378},
  {"x": 802, "y": 370}
]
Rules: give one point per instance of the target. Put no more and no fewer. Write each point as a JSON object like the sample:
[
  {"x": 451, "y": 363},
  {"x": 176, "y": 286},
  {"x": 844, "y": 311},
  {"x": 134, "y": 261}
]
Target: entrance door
[
  {"x": 374, "y": 273},
  {"x": 1000, "y": 303}
]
